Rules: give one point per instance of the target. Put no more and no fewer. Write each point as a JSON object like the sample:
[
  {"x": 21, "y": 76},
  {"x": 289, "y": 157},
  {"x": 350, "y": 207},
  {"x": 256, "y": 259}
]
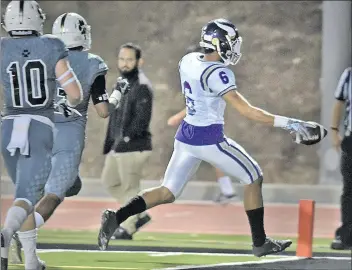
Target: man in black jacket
[{"x": 128, "y": 142}]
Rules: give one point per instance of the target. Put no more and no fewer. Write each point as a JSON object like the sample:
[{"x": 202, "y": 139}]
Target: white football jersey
[{"x": 203, "y": 84}]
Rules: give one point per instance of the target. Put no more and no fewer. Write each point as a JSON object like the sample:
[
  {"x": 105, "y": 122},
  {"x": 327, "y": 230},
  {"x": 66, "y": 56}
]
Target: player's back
[
  {"x": 28, "y": 74},
  {"x": 203, "y": 84},
  {"x": 87, "y": 67}
]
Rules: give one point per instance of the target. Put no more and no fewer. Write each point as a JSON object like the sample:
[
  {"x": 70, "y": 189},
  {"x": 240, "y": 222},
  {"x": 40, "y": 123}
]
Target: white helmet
[
  {"x": 23, "y": 18},
  {"x": 73, "y": 29}
]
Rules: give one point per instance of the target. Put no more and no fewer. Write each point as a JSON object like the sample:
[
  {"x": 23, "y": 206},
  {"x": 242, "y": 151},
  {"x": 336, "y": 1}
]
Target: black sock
[
  {"x": 256, "y": 221},
  {"x": 135, "y": 206}
]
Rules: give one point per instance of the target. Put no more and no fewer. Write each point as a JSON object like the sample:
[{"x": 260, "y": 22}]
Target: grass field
[
  {"x": 130, "y": 260},
  {"x": 84, "y": 259}
]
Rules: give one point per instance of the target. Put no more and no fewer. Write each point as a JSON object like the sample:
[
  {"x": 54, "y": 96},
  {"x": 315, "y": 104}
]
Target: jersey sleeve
[
  {"x": 60, "y": 48},
  {"x": 219, "y": 81},
  {"x": 342, "y": 84},
  {"x": 98, "y": 67},
  {"x": 98, "y": 90}
]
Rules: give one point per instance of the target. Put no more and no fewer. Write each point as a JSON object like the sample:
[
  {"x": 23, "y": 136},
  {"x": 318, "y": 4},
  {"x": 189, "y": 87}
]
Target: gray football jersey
[
  {"x": 28, "y": 74},
  {"x": 87, "y": 67}
]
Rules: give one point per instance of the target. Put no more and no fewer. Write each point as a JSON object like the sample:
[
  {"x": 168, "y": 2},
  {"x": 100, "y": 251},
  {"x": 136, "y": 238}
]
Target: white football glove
[
  {"x": 64, "y": 108},
  {"x": 122, "y": 87},
  {"x": 295, "y": 126}
]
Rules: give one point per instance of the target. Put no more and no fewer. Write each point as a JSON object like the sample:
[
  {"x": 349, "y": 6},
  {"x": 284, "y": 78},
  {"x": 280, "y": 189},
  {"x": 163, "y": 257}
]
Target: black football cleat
[{"x": 108, "y": 227}]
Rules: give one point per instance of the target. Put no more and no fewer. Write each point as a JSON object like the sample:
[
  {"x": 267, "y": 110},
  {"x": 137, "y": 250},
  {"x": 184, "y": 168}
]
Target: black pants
[{"x": 345, "y": 231}]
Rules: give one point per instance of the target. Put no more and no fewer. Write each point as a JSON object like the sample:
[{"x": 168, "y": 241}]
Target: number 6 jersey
[
  {"x": 203, "y": 85},
  {"x": 28, "y": 74}
]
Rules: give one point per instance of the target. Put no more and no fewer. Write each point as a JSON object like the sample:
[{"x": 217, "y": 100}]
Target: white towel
[{"x": 19, "y": 136}]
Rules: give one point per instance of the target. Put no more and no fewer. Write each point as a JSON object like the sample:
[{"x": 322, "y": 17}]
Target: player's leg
[
  {"x": 10, "y": 163},
  {"x": 180, "y": 170},
  {"x": 234, "y": 161},
  {"x": 65, "y": 163},
  {"x": 15, "y": 252},
  {"x": 227, "y": 192},
  {"x": 130, "y": 167},
  {"x": 64, "y": 170},
  {"x": 32, "y": 173},
  {"x": 112, "y": 181}
]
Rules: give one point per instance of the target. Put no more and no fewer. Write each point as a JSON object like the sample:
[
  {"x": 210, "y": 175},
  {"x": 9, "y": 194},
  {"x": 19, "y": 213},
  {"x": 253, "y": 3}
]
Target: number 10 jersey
[{"x": 28, "y": 74}]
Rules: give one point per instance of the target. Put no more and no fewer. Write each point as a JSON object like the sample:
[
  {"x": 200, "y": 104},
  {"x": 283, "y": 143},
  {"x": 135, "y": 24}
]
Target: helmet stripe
[
  {"x": 230, "y": 30},
  {"x": 21, "y": 8},
  {"x": 63, "y": 22}
]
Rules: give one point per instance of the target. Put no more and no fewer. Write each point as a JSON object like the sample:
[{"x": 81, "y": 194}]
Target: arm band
[
  {"x": 65, "y": 74},
  {"x": 280, "y": 121},
  {"x": 68, "y": 81}
]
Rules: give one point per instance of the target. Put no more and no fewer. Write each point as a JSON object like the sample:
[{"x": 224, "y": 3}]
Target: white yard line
[{"x": 287, "y": 259}]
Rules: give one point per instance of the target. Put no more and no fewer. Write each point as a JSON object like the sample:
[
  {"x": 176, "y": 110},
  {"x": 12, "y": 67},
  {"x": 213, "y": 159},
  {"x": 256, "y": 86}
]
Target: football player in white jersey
[
  {"x": 208, "y": 85},
  {"x": 226, "y": 192}
]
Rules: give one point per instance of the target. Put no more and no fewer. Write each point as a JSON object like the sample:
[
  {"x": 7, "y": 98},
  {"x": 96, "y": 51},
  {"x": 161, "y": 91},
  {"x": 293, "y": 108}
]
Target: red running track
[{"x": 84, "y": 214}]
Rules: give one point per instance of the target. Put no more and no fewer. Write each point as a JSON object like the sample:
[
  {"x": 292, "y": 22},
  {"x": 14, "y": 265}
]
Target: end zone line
[
  {"x": 234, "y": 264},
  {"x": 166, "y": 253},
  {"x": 85, "y": 267}
]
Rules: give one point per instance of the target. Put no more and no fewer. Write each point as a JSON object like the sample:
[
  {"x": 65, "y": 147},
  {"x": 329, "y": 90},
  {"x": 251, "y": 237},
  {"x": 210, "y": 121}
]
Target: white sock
[
  {"x": 29, "y": 244},
  {"x": 15, "y": 217},
  {"x": 39, "y": 220},
  {"x": 226, "y": 187}
]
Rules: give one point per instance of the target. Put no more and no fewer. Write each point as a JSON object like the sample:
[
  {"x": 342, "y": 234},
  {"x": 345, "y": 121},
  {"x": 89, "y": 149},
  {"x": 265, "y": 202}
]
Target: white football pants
[{"x": 228, "y": 156}]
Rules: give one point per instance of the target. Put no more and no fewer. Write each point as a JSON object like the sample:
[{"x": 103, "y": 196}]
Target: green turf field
[
  {"x": 146, "y": 261},
  {"x": 73, "y": 260},
  {"x": 168, "y": 240}
]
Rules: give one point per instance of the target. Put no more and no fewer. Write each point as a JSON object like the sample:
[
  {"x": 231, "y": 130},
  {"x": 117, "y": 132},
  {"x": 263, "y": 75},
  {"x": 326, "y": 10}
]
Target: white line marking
[
  {"x": 334, "y": 258},
  {"x": 270, "y": 258},
  {"x": 166, "y": 253},
  {"x": 84, "y": 267},
  {"x": 155, "y": 253},
  {"x": 233, "y": 264}
]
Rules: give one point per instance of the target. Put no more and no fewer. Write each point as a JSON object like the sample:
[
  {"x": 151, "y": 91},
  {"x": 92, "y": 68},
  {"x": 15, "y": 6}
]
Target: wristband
[{"x": 280, "y": 121}]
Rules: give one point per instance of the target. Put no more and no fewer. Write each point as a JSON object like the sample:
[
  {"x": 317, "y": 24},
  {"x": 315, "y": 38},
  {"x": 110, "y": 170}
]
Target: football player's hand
[
  {"x": 62, "y": 107},
  {"x": 300, "y": 128},
  {"x": 307, "y": 133},
  {"x": 174, "y": 120},
  {"x": 336, "y": 140},
  {"x": 122, "y": 85}
]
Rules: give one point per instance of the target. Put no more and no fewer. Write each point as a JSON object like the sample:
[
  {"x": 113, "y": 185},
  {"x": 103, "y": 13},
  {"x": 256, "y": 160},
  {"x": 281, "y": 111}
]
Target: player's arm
[
  {"x": 100, "y": 97},
  {"x": 242, "y": 105},
  {"x": 69, "y": 82},
  {"x": 302, "y": 130},
  {"x": 177, "y": 118},
  {"x": 222, "y": 83}
]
